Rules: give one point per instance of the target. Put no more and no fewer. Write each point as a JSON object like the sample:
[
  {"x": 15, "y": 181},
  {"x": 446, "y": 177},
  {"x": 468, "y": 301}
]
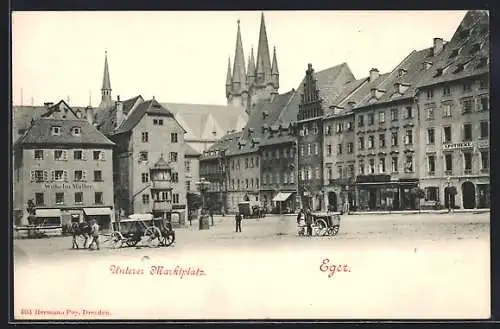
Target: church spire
[
  {"x": 239, "y": 74},
  {"x": 106, "y": 85},
  {"x": 274, "y": 70},
  {"x": 263, "y": 67},
  {"x": 228, "y": 78},
  {"x": 251, "y": 69}
]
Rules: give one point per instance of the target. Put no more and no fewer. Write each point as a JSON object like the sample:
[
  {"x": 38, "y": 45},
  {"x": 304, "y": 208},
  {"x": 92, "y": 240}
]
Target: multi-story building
[
  {"x": 191, "y": 167},
  {"x": 144, "y": 133},
  {"x": 63, "y": 165},
  {"x": 317, "y": 91},
  {"x": 453, "y": 100}
]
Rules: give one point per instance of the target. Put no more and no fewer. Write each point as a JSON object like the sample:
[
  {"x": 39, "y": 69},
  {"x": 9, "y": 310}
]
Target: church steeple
[
  {"x": 274, "y": 71},
  {"x": 263, "y": 67},
  {"x": 106, "y": 85},
  {"x": 239, "y": 74},
  {"x": 251, "y": 70},
  {"x": 228, "y": 78}
]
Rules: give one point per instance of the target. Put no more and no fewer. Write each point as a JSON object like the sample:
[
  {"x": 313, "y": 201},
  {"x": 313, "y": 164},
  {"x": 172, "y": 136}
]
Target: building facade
[{"x": 63, "y": 165}]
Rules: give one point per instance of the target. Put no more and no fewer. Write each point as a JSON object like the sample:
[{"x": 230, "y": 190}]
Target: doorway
[
  {"x": 468, "y": 195},
  {"x": 332, "y": 201},
  {"x": 449, "y": 197},
  {"x": 372, "y": 199}
]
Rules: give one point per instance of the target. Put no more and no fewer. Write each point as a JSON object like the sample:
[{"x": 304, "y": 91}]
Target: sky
[{"x": 181, "y": 57}]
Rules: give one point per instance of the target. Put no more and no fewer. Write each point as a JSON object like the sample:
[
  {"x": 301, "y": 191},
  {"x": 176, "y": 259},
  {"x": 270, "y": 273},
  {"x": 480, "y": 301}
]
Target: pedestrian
[
  {"x": 299, "y": 216},
  {"x": 94, "y": 231},
  {"x": 346, "y": 206},
  {"x": 238, "y": 221},
  {"x": 309, "y": 222}
]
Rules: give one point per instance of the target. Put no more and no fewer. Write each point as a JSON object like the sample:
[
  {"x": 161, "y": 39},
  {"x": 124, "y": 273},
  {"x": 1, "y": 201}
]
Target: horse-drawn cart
[
  {"x": 141, "y": 228},
  {"x": 323, "y": 223}
]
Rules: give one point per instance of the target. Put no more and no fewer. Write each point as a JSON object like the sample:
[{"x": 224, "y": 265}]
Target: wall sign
[{"x": 68, "y": 186}]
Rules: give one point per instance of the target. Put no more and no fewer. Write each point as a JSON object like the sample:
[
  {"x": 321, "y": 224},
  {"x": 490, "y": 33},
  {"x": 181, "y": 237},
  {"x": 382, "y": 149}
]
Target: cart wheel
[
  {"x": 322, "y": 228},
  {"x": 335, "y": 230},
  {"x": 168, "y": 239},
  {"x": 131, "y": 242},
  {"x": 114, "y": 239},
  {"x": 153, "y": 233}
]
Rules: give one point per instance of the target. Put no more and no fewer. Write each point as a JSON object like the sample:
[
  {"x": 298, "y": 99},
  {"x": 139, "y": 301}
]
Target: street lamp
[{"x": 203, "y": 186}]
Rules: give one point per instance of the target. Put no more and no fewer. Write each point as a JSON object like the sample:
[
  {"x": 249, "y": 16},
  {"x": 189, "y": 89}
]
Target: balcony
[{"x": 162, "y": 185}]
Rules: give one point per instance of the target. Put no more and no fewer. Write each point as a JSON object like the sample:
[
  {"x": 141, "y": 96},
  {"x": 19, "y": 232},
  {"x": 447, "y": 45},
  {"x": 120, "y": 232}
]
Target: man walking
[
  {"x": 94, "y": 231},
  {"x": 238, "y": 221},
  {"x": 309, "y": 221}
]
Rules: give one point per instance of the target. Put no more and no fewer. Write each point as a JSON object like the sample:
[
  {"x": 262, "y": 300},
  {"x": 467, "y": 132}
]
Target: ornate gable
[{"x": 310, "y": 105}]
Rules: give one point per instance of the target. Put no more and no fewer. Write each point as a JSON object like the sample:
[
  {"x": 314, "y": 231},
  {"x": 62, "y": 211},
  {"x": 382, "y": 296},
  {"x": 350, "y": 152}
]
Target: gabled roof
[
  {"x": 60, "y": 110},
  {"x": 40, "y": 133},
  {"x": 471, "y": 34},
  {"x": 151, "y": 107},
  {"x": 106, "y": 118},
  {"x": 195, "y": 117},
  {"x": 221, "y": 145},
  {"x": 331, "y": 81},
  {"x": 190, "y": 151}
]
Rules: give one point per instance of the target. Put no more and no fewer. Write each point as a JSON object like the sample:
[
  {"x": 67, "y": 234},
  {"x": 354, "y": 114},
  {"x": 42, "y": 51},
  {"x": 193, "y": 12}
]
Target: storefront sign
[
  {"x": 75, "y": 186},
  {"x": 373, "y": 178},
  {"x": 457, "y": 145}
]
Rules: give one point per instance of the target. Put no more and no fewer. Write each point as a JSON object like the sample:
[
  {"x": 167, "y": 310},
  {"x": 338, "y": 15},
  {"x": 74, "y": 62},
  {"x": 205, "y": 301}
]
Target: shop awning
[
  {"x": 48, "y": 213},
  {"x": 96, "y": 211},
  {"x": 282, "y": 196}
]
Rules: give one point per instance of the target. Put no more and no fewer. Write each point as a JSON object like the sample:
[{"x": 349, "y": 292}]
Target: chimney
[
  {"x": 351, "y": 105},
  {"x": 438, "y": 46},
  {"x": 373, "y": 92},
  {"x": 119, "y": 111},
  {"x": 48, "y": 104},
  {"x": 373, "y": 74},
  {"x": 89, "y": 114}
]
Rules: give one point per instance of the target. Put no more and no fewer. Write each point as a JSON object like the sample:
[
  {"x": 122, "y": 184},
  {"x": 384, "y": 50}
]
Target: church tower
[
  {"x": 237, "y": 91},
  {"x": 106, "y": 100}
]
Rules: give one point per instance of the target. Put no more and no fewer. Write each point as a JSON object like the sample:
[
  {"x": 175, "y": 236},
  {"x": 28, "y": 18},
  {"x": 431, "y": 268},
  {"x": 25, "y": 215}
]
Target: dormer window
[
  {"x": 455, "y": 52},
  {"x": 76, "y": 131},
  {"x": 402, "y": 72},
  {"x": 56, "y": 131}
]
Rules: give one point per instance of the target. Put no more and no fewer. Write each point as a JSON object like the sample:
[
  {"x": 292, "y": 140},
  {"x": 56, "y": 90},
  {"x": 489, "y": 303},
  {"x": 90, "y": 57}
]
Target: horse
[{"x": 81, "y": 229}]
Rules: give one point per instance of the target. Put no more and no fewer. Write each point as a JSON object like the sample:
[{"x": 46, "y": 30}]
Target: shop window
[{"x": 431, "y": 193}]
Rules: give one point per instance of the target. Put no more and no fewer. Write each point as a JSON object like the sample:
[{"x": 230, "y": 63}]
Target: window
[
  {"x": 448, "y": 163},
  {"x": 317, "y": 172},
  {"x": 408, "y": 114},
  {"x": 98, "y": 155},
  {"x": 466, "y": 87},
  {"x": 145, "y": 177},
  {"x": 409, "y": 137},
  {"x": 430, "y": 113},
  {"x": 381, "y": 117},
  {"x": 78, "y": 197},
  {"x": 361, "y": 140},
  {"x": 409, "y": 163},
  {"x": 39, "y": 199},
  {"x": 467, "y": 162},
  {"x": 349, "y": 125},
  {"x": 59, "y": 197},
  {"x": 381, "y": 140},
  {"x": 371, "y": 142},
  {"x": 485, "y": 160},
  {"x": 143, "y": 156},
  {"x": 394, "y": 114},
  {"x": 339, "y": 128},
  {"x": 467, "y": 132},
  {"x": 394, "y": 164},
  {"x": 329, "y": 149},
  {"x": 173, "y": 156},
  {"x": 173, "y": 138},
  {"x": 306, "y": 130},
  {"x": 158, "y": 122},
  {"x": 339, "y": 149},
  {"x": 145, "y": 198},
  {"x": 446, "y": 110},
  {"x": 60, "y": 155},
  {"x": 277, "y": 154},
  {"x": 329, "y": 172},
  {"x": 350, "y": 147},
  {"x": 430, "y": 93},
  {"x": 381, "y": 165},
  {"x": 38, "y": 176},
  {"x": 432, "y": 193},
  {"x": 431, "y": 161},
  {"x": 78, "y": 155},
  {"x": 467, "y": 105},
  {"x": 308, "y": 149},
  {"x": 98, "y": 198},
  {"x": 55, "y": 131},
  {"x": 97, "y": 176},
  {"x": 371, "y": 119},
  {"x": 351, "y": 170},
  {"x": 76, "y": 131},
  {"x": 446, "y": 91},
  {"x": 175, "y": 177},
  {"x": 339, "y": 171},
  {"x": 328, "y": 130},
  {"x": 58, "y": 175},
  {"x": 175, "y": 198},
  {"x": 394, "y": 138},
  {"x": 246, "y": 161},
  {"x": 145, "y": 136},
  {"x": 361, "y": 168},
  {"x": 485, "y": 131},
  {"x": 187, "y": 165},
  {"x": 371, "y": 166},
  {"x": 38, "y": 154},
  {"x": 430, "y": 136},
  {"x": 447, "y": 134},
  {"x": 361, "y": 120},
  {"x": 484, "y": 103},
  {"x": 251, "y": 162},
  {"x": 483, "y": 84},
  {"x": 78, "y": 176}
]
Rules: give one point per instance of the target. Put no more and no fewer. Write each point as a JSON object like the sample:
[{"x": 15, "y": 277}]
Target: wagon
[
  {"x": 249, "y": 209},
  {"x": 323, "y": 223},
  {"x": 141, "y": 228}
]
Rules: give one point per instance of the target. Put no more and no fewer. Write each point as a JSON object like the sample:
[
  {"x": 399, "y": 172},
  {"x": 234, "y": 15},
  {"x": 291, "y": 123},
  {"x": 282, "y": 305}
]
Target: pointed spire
[
  {"x": 263, "y": 57},
  {"x": 106, "y": 84},
  {"x": 251, "y": 65},
  {"x": 239, "y": 74},
  {"x": 229, "y": 77},
  {"x": 274, "y": 71}
]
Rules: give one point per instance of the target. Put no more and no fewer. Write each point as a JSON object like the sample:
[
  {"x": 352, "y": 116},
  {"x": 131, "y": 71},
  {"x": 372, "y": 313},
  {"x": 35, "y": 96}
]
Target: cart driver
[{"x": 94, "y": 231}]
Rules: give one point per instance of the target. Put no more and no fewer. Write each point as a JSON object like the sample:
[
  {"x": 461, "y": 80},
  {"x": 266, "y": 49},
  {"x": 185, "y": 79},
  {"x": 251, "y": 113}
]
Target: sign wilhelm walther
[{"x": 68, "y": 186}]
